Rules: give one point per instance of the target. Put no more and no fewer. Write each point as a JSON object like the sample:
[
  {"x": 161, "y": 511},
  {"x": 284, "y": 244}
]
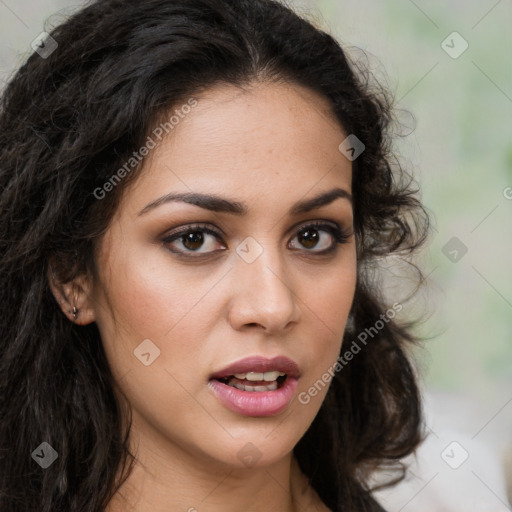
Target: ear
[{"x": 74, "y": 297}]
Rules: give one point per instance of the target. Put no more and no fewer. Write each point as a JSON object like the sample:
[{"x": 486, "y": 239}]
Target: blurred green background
[{"x": 460, "y": 151}]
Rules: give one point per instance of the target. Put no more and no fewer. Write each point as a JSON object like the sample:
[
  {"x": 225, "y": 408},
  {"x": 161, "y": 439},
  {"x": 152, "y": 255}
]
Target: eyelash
[{"x": 339, "y": 235}]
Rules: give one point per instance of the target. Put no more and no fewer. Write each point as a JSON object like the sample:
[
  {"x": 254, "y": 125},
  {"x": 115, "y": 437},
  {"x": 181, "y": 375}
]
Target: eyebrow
[{"x": 216, "y": 203}]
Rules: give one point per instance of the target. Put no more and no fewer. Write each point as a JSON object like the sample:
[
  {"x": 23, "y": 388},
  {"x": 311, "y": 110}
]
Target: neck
[{"x": 158, "y": 486}]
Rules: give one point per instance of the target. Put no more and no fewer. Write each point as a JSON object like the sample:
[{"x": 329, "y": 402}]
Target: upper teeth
[{"x": 254, "y": 376}]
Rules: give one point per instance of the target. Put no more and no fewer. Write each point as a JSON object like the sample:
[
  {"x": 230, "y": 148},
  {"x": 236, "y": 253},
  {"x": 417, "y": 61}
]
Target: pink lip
[
  {"x": 257, "y": 403},
  {"x": 260, "y": 364}
]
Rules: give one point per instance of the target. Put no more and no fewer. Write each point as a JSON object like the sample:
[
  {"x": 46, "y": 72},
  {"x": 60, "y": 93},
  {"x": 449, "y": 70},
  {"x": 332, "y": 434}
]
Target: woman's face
[{"x": 177, "y": 303}]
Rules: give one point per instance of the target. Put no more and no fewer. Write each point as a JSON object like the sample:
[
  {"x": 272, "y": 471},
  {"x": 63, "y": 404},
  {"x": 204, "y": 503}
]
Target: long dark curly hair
[{"x": 68, "y": 120}]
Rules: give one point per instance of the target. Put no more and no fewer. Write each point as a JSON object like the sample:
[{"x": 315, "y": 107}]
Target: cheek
[
  {"x": 328, "y": 309},
  {"x": 330, "y": 294},
  {"x": 146, "y": 292},
  {"x": 146, "y": 297},
  {"x": 336, "y": 295}
]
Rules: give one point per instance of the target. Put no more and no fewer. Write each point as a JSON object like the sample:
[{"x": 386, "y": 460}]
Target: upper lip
[{"x": 260, "y": 364}]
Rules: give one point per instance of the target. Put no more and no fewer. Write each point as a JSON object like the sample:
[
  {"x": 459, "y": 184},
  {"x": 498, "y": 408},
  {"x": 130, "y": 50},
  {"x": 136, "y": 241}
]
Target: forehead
[{"x": 274, "y": 140}]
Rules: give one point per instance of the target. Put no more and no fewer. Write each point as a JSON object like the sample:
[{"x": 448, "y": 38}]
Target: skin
[{"x": 269, "y": 146}]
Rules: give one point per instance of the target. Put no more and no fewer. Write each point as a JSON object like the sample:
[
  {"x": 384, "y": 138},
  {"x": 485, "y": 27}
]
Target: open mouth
[
  {"x": 256, "y": 386},
  {"x": 254, "y": 381}
]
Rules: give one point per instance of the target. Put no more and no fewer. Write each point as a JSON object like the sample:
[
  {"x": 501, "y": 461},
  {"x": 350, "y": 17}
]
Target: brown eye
[
  {"x": 193, "y": 239},
  {"x": 309, "y": 238},
  {"x": 319, "y": 238},
  {"x": 198, "y": 240}
]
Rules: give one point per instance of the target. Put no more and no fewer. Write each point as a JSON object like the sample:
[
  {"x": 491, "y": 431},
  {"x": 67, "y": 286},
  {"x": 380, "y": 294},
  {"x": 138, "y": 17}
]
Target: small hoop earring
[{"x": 75, "y": 313}]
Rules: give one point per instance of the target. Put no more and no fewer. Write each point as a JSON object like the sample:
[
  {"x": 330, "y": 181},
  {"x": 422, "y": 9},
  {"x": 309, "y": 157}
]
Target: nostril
[{"x": 254, "y": 324}]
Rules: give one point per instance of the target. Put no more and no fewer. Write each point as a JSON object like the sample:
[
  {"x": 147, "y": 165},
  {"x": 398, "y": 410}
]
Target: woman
[{"x": 194, "y": 194}]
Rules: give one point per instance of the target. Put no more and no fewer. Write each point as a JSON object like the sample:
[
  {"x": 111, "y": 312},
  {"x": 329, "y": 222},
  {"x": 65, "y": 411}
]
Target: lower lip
[{"x": 255, "y": 403}]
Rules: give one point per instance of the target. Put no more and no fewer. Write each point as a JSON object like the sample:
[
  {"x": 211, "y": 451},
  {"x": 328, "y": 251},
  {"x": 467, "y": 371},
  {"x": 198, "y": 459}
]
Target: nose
[{"x": 262, "y": 294}]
